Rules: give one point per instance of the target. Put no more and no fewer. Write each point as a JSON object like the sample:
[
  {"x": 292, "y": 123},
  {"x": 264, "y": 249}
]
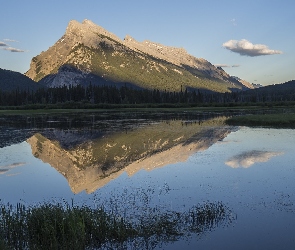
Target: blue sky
[{"x": 252, "y": 39}]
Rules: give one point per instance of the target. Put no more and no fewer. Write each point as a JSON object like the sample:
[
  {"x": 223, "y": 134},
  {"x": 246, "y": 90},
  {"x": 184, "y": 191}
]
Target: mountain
[
  {"x": 11, "y": 80},
  {"x": 245, "y": 83},
  {"x": 282, "y": 92},
  {"x": 280, "y": 88},
  {"x": 93, "y": 163},
  {"x": 257, "y": 85},
  {"x": 88, "y": 53}
]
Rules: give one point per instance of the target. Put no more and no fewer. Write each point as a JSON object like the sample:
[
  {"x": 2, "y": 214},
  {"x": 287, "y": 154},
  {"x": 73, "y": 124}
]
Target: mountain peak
[
  {"x": 89, "y": 31},
  {"x": 128, "y": 38},
  {"x": 88, "y": 22},
  {"x": 73, "y": 24},
  {"x": 93, "y": 50}
]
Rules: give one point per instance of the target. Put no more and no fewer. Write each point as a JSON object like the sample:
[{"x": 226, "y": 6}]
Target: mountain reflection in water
[{"x": 94, "y": 160}]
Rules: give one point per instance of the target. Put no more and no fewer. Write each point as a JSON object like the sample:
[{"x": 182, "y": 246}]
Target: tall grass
[{"x": 65, "y": 226}]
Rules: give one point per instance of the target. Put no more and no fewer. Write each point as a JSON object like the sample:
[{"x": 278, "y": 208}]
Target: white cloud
[
  {"x": 3, "y": 44},
  {"x": 247, "y": 159},
  {"x": 13, "y": 49},
  {"x": 246, "y": 48}
]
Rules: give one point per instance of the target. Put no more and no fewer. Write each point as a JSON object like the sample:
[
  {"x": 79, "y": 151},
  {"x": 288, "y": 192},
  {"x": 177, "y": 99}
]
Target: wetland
[{"x": 171, "y": 180}]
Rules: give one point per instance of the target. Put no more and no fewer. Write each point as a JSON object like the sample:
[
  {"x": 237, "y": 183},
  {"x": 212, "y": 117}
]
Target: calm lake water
[{"x": 164, "y": 160}]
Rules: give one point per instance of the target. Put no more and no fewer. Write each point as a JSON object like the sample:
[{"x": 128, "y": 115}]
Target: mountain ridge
[{"x": 94, "y": 50}]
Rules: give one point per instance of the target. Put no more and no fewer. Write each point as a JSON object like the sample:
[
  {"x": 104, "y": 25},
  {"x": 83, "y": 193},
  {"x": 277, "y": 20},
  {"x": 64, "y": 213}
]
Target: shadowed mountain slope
[
  {"x": 11, "y": 80},
  {"x": 92, "y": 54}
]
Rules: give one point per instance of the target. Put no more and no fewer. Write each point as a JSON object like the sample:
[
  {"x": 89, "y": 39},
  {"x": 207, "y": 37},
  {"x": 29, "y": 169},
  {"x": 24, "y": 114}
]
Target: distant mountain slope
[
  {"x": 11, "y": 80},
  {"x": 287, "y": 87},
  {"x": 277, "y": 92},
  {"x": 96, "y": 55},
  {"x": 257, "y": 85},
  {"x": 245, "y": 83}
]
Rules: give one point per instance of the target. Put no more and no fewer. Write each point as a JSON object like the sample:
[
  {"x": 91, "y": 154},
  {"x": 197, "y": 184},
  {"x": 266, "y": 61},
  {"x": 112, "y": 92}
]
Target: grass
[
  {"x": 138, "y": 108},
  {"x": 64, "y": 226},
  {"x": 285, "y": 120}
]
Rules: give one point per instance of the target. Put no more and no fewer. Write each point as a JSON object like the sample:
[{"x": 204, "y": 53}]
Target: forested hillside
[{"x": 10, "y": 80}]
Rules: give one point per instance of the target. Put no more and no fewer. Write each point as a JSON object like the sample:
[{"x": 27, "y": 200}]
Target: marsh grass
[
  {"x": 60, "y": 226},
  {"x": 65, "y": 226},
  {"x": 284, "y": 120}
]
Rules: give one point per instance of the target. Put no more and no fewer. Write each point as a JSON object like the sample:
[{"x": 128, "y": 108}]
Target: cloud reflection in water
[
  {"x": 247, "y": 159},
  {"x": 6, "y": 168}
]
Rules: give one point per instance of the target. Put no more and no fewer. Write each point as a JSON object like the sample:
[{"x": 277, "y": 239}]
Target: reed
[{"x": 66, "y": 226}]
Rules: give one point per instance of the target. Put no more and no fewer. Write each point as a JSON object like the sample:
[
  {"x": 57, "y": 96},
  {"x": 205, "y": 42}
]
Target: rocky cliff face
[
  {"x": 176, "y": 56},
  {"x": 93, "y": 50}
]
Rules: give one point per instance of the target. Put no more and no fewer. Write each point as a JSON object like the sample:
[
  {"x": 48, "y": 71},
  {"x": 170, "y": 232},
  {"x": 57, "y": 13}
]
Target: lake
[{"x": 166, "y": 161}]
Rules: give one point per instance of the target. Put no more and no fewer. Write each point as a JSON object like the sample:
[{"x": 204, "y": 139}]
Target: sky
[{"x": 253, "y": 40}]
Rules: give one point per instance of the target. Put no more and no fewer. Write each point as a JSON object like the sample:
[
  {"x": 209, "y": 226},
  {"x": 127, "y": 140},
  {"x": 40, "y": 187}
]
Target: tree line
[
  {"x": 93, "y": 94},
  {"x": 97, "y": 94}
]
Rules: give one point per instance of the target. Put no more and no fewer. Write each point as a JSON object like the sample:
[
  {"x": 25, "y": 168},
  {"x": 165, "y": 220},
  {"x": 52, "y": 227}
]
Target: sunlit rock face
[
  {"x": 247, "y": 159},
  {"x": 88, "y": 52},
  {"x": 91, "y": 164}
]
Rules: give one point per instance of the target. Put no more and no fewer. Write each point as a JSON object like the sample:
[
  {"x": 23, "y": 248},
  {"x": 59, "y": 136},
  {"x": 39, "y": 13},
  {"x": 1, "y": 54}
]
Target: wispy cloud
[
  {"x": 247, "y": 159},
  {"x": 6, "y": 168},
  {"x": 8, "y": 47},
  {"x": 13, "y": 49},
  {"x": 2, "y": 44},
  {"x": 222, "y": 65},
  {"x": 10, "y": 40},
  {"x": 246, "y": 48},
  {"x": 227, "y": 66}
]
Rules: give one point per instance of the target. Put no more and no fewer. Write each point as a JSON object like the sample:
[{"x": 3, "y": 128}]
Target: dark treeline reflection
[{"x": 18, "y": 128}]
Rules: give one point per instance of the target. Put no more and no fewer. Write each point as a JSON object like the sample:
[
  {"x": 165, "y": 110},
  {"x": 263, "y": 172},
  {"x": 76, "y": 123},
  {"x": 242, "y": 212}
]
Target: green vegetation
[
  {"x": 64, "y": 226},
  {"x": 285, "y": 120},
  {"x": 124, "y": 65},
  {"x": 73, "y": 108}
]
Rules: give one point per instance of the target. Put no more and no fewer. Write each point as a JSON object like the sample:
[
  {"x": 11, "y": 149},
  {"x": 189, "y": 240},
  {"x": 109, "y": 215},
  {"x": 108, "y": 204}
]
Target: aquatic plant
[{"x": 67, "y": 226}]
